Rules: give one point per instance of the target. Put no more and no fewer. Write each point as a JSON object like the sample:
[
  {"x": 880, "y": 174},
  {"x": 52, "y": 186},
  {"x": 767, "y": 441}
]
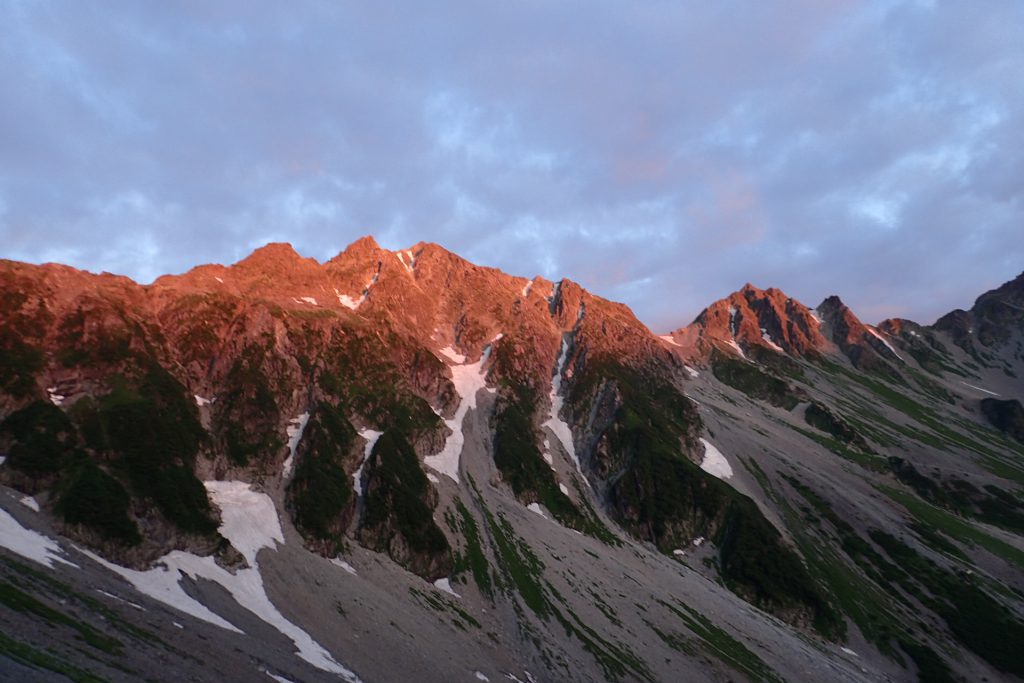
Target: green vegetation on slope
[
  {"x": 753, "y": 381},
  {"x": 659, "y": 494},
  {"x": 398, "y": 518},
  {"x": 320, "y": 491}
]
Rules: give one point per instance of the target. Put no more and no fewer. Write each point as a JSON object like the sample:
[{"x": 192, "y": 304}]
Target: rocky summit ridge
[{"x": 307, "y": 464}]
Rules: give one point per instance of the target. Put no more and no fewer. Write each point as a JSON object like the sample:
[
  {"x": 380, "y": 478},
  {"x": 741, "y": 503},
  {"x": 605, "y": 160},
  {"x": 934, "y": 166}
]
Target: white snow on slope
[
  {"x": 691, "y": 372},
  {"x": 407, "y": 254},
  {"x": 554, "y": 422},
  {"x": 162, "y": 582},
  {"x": 279, "y": 679},
  {"x": 816, "y": 316},
  {"x": 248, "y": 518},
  {"x": 453, "y": 355},
  {"x": 669, "y": 339},
  {"x": 296, "y": 426},
  {"x": 371, "y": 436},
  {"x": 29, "y": 502},
  {"x": 885, "y": 341},
  {"x": 527, "y": 287},
  {"x": 468, "y": 378},
  {"x": 29, "y": 544},
  {"x": 250, "y": 523},
  {"x": 344, "y": 565},
  {"x": 218, "y": 279},
  {"x": 200, "y": 401},
  {"x": 349, "y": 302},
  {"x": 310, "y": 300},
  {"x": 346, "y": 301},
  {"x": 537, "y": 509},
  {"x": 481, "y": 676},
  {"x": 767, "y": 338},
  {"x": 563, "y": 488},
  {"x": 736, "y": 347},
  {"x": 445, "y": 585},
  {"x": 733, "y": 329},
  {"x": 978, "y": 388},
  {"x": 714, "y": 462},
  {"x": 120, "y": 599},
  {"x": 55, "y": 398}
]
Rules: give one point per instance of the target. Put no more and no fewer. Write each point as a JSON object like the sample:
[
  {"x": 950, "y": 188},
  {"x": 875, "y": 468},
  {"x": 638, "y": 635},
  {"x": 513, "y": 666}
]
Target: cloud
[{"x": 661, "y": 154}]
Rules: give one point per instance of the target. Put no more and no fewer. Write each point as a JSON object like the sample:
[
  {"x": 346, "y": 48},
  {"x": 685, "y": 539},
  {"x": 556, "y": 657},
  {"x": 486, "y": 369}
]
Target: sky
[{"x": 661, "y": 154}]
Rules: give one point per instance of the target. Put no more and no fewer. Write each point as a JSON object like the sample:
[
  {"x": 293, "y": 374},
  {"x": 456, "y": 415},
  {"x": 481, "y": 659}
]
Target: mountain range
[{"x": 398, "y": 465}]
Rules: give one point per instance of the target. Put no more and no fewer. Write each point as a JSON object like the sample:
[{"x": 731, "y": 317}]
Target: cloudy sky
[{"x": 659, "y": 153}]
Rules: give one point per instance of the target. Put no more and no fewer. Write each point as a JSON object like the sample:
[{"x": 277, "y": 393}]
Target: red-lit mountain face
[{"x": 586, "y": 487}]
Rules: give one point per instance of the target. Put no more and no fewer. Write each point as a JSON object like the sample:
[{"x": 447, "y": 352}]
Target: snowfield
[
  {"x": 468, "y": 378},
  {"x": 250, "y": 523},
  {"x": 554, "y": 422},
  {"x": 296, "y": 426},
  {"x": 29, "y": 544},
  {"x": 714, "y": 462},
  {"x": 371, "y": 436}
]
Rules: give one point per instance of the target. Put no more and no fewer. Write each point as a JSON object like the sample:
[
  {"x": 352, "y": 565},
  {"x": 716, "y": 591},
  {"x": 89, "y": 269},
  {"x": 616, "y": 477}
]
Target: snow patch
[
  {"x": 349, "y": 302},
  {"x": 218, "y": 279},
  {"x": 120, "y": 599},
  {"x": 407, "y": 254},
  {"x": 691, "y": 372},
  {"x": 679, "y": 552},
  {"x": 248, "y": 518},
  {"x": 249, "y": 523},
  {"x": 736, "y": 347},
  {"x": 697, "y": 542},
  {"x": 733, "y": 328},
  {"x": 337, "y": 561},
  {"x": 668, "y": 338},
  {"x": 296, "y": 426},
  {"x": 200, "y": 401},
  {"x": 432, "y": 478},
  {"x": 816, "y": 316},
  {"x": 714, "y": 462},
  {"x": 468, "y": 378},
  {"x": 29, "y": 502},
  {"x": 279, "y": 679},
  {"x": 371, "y": 436},
  {"x": 849, "y": 651},
  {"x": 177, "y": 625},
  {"x": 555, "y": 423},
  {"x": 453, "y": 355},
  {"x": 554, "y": 291},
  {"x": 310, "y": 300},
  {"x": 768, "y": 340},
  {"x": 55, "y": 398},
  {"x": 29, "y": 544},
  {"x": 527, "y": 287},
  {"x": 446, "y": 586},
  {"x": 885, "y": 341},
  {"x": 563, "y": 488},
  {"x": 537, "y": 509},
  {"x": 480, "y": 676},
  {"x": 978, "y": 388}
]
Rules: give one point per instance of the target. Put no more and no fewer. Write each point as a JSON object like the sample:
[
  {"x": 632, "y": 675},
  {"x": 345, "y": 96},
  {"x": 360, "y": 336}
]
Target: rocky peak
[
  {"x": 753, "y": 318},
  {"x": 273, "y": 257},
  {"x": 865, "y": 346}
]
